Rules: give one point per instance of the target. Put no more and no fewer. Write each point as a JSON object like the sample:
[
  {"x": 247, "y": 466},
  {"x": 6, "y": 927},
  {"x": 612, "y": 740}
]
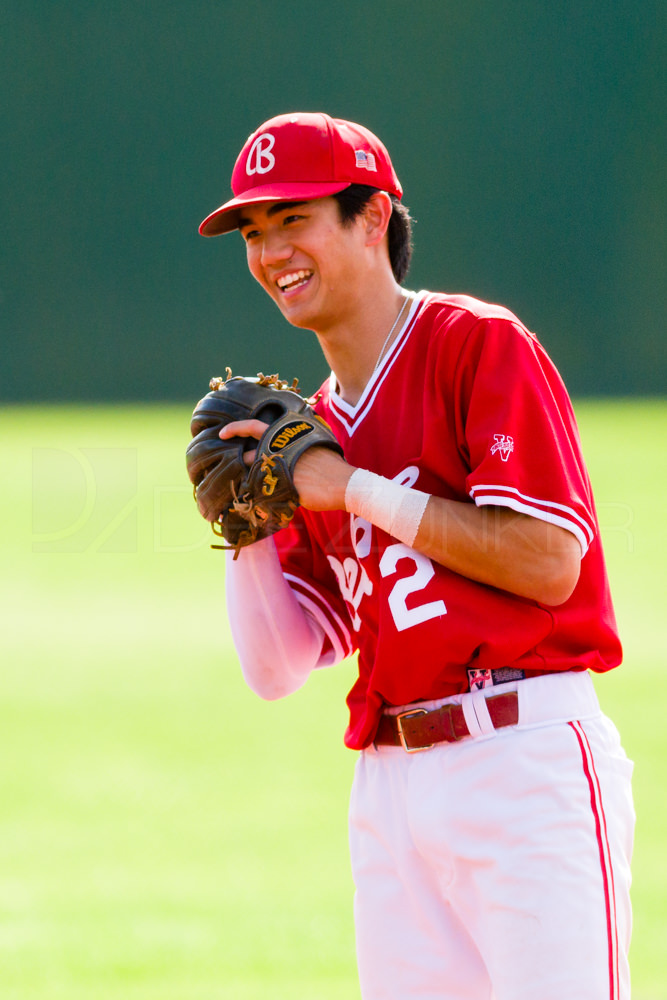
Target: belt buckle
[{"x": 401, "y": 735}]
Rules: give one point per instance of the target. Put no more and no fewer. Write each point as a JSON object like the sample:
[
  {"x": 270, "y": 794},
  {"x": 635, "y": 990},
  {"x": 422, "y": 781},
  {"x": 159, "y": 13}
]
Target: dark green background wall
[{"x": 528, "y": 134}]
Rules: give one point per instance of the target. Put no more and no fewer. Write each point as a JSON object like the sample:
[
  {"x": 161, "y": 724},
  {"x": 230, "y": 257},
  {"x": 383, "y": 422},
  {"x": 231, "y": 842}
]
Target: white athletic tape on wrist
[{"x": 396, "y": 509}]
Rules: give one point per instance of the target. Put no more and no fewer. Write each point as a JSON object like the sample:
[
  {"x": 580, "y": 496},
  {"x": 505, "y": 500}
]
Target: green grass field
[{"x": 164, "y": 834}]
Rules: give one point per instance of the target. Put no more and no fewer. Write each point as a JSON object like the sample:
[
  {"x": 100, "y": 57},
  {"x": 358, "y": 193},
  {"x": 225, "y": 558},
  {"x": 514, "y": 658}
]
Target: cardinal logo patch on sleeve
[{"x": 504, "y": 444}]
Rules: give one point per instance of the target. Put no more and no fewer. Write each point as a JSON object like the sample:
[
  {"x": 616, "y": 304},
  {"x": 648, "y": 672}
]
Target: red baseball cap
[{"x": 301, "y": 156}]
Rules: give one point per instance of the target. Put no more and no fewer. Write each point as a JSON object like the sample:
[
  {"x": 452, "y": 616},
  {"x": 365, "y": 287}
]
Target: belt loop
[
  {"x": 481, "y": 710},
  {"x": 470, "y": 716}
]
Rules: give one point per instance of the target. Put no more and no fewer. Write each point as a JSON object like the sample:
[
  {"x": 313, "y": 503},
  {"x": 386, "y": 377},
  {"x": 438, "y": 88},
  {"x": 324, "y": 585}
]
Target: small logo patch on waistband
[{"x": 478, "y": 679}]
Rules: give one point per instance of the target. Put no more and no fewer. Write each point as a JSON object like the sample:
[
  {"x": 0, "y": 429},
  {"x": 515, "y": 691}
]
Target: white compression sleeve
[
  {"x": 396, "y": 509},
  {"x": 277, "y": 642}
]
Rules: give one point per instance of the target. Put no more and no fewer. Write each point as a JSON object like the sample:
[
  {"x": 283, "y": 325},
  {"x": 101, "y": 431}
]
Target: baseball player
[{"x": 455, "y": 549}]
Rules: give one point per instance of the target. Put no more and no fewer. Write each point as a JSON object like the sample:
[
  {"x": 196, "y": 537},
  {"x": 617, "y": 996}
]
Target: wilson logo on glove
[
  {"x": 244, "y": 504},
  {"x": 289, "y": 433}
]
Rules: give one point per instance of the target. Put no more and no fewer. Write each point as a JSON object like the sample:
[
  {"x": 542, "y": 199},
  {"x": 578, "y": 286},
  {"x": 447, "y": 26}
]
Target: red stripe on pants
[{"x": 605, "y": 855}]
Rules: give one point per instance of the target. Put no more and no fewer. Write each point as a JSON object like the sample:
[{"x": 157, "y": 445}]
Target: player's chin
[{"x": 299, "y": 314}]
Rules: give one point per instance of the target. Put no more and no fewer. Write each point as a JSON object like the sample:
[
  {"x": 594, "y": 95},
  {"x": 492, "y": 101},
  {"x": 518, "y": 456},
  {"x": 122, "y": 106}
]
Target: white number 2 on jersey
[
  {"x": 405, "y": 617},
  {"x": 355, "y": 584}
]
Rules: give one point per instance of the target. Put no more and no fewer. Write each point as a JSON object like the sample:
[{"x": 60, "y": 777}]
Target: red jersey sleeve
[
  {"x": 523, "y": 444},
  {"x": 314, "y": 584}
]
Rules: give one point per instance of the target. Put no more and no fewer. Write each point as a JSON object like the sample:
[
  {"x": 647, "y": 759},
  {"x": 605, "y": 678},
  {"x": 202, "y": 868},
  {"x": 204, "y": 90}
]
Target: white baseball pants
[{"x": 498, "y": 868}]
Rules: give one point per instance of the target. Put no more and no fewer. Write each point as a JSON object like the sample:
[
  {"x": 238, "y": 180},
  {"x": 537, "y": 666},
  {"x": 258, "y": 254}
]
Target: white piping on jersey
[
  {"x": 352, "y": 416},
  {"x": 569, "y": 519},
  {"x": 333, "y": 625}
]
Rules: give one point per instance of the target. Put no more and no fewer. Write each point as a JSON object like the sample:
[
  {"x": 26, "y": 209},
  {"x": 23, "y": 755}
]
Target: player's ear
[{"x": 376, "y": 214}]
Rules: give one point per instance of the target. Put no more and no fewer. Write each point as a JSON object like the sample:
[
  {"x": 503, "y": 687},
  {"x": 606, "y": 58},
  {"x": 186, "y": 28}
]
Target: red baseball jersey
[{"x": 466, "y": 405}]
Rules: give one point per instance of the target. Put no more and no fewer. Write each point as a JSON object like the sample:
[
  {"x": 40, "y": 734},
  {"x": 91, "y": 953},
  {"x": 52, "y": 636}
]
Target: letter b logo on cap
[{"x": 260, "y": 158}]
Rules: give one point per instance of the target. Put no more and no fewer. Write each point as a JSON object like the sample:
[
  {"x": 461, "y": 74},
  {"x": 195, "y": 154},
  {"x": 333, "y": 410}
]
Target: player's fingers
[{"x": 243, "y": 428}]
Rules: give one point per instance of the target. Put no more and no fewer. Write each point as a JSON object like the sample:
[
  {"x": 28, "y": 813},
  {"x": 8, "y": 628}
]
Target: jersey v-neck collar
[{"x": 352, "y": 415}]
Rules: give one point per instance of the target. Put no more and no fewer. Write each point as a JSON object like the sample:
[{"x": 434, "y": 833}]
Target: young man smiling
[{"x": 456, "y": 550}]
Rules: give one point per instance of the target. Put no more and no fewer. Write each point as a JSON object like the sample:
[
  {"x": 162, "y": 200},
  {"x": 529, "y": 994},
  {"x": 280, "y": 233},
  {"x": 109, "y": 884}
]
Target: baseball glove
[{"x": 245, "y": 503}]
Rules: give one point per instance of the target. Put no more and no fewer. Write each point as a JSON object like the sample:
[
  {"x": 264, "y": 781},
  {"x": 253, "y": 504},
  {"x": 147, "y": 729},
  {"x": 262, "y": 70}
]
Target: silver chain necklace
[{"x": 407, "y": 298}]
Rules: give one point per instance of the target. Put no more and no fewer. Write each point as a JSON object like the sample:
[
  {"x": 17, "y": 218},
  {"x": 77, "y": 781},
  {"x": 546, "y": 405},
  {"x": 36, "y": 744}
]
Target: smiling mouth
[{"x": 287, "y": 282}]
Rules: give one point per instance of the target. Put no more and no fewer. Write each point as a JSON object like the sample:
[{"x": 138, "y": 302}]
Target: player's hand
[
  {"x": 320, "y": 475},
  {"x": 244, "y": 428}
]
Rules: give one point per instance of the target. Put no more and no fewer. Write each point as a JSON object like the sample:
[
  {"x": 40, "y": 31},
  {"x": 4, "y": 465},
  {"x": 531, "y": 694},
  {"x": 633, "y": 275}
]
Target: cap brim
[{"x": 226, "y": 218}]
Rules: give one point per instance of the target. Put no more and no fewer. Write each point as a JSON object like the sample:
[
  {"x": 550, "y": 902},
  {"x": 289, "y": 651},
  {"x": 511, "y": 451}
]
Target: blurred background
[{"x": 528, "y": 135}]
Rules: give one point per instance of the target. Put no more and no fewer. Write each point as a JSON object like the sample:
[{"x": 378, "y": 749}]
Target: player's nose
[{"x": 276, "y": 249}]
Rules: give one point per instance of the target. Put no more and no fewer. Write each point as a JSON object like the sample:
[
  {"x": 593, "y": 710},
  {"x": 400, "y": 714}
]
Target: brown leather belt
[{"x": 420, "y": 729}]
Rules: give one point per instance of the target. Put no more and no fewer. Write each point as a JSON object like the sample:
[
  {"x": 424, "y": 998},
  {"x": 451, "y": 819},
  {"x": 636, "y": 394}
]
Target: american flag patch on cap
[{"x": 364, "y": 159}]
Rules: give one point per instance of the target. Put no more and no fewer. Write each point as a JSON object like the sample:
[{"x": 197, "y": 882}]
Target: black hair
[{"x": 351, "y": 202}]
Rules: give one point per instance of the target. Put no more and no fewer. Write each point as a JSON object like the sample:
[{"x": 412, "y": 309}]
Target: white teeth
[{"x": 293, "y": 279}]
